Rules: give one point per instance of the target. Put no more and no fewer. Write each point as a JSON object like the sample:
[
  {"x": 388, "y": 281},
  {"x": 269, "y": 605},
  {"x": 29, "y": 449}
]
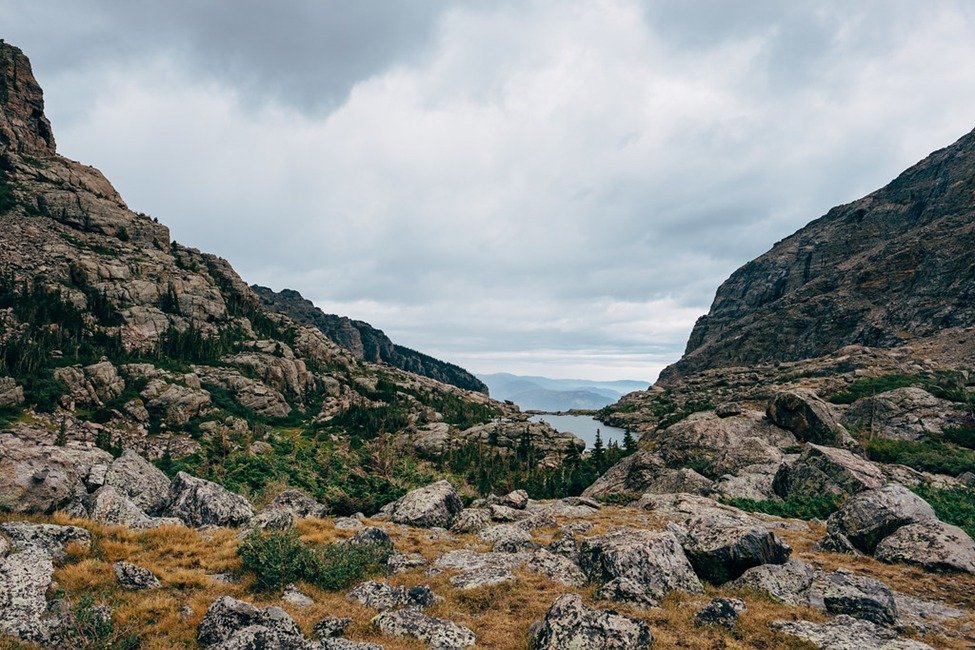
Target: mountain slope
[
  {"x": 894, "y": 265},
  {"x": 365, "y": 341},
  {"x": 545, "y": 394}
]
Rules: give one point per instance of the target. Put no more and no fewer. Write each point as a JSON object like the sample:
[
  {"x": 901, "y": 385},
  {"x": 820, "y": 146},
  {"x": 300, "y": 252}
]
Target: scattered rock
[
  {"x": 109, "y": 506},
  {"x": 440, "y": 633},
  {"x": 720, "y": 611},
  {"x": 475, "y": 570},
  {"x": 556, "y": 568},
  {"x": 810, "y": 418},
  {"x": 24, "y": 580},
  {"x": 382, "y": 596},
  {"x": 788, "y": 583},
  {"x": 508, "y": 538},
  {"x": 49, "y": 539},
  {"x": 472, "y": 520},
  {"x": 299, "y": 504},
  {"x": 401, "y": 562},
  {"x": 292, "y": 594},
  {"x": 518, "y": 500},
  {"x": 827, "y": 470},
  {"x": 870, "y": 516},
  {"x": 434, "y": 505},
  {"x": 231, "y": 623},
  {"x": 933, "y": 545},
  {"x": 848, "y": 633},
  {"x": 568, "y": 623},
  {"x": 330, "y": 627},
  {"x": 139, "y": 480},
  {"x": 860, "y": 597},
  {"x": 134, "y": 577},
  {"x": 720, "y": 552},
  {"x": 199, "y": 502}
]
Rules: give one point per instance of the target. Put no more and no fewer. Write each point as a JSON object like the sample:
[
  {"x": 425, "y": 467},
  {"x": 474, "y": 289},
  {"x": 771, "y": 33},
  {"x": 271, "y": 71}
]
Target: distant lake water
[{"x": 583, "y": 426}]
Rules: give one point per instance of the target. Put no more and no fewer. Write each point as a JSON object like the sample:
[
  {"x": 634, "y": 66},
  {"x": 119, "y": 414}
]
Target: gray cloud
[{"x": 537, "y": 187}]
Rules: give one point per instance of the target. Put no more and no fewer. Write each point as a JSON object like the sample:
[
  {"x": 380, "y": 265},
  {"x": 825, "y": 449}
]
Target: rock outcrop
[
  {"x": 568, "y": 623},
  {"x": 434, "y": 505}
]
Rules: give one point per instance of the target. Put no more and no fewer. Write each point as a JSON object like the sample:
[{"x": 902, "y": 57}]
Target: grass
[
  {"x": 926, "y": 455},
  {"x": 956, "y": 507},
  {"x": 943, "y": 385},
  {"x": 816, "y": 507}
]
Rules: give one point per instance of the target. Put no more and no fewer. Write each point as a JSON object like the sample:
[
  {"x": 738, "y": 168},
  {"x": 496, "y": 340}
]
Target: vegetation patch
[
  {"x": 956, "y": 506},
  {"x": 945, "y": 385},
  {"x": 814, "y": 507},
  {"x": 926, "y": 455}
]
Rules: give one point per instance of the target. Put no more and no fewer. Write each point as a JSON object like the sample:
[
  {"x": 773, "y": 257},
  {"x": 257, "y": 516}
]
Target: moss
[
  {"x": 926, "y": 456},
  {"x": 814, "y": 507}
]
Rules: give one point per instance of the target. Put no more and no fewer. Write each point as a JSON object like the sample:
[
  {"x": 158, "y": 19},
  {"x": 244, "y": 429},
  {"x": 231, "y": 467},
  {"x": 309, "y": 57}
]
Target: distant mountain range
[{"x": 545, "y": 394}]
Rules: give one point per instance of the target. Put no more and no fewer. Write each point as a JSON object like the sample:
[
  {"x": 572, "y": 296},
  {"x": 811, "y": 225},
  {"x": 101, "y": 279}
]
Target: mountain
[
  {"x": 365, "y": 341},
  {"x": 881, "y": 271},
  {"x": 545, "y": 394}
]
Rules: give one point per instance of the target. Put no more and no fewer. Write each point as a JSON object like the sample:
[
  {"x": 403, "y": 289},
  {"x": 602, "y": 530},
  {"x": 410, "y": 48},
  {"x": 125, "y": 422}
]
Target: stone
[
  {"x": 720, "y": 552},
  {"x": 568, "y": 623},
  {"x": 343, "y": 644},
  {"x": 629, "y": 476},
  {"x": 10, "y": 393},
  {"x": 847, "y": 633},
  {"x": 869, "y": 517},
  {"x": 24, "y": 580},
  {"x": 507, "y": 538},
  {"x": 434, "y": 505},
  {"x": 382, "y": 596},
  {"x": 809, "y": 417},
  {"x": 934, "y": 545},
  {"x": 472, "y": 569},
  {"x": 556, "y": 568},
  {"x": 402, "y": 562},
  {"x": 273, "y": 519},
  {"x": 517, "y": 499},
  {"x": 330, "y": 627},
  {"x": 295, "y": 596},
  {"x": 471, "y": 520},
  {"x": 827, "y": 470},
  {"x": 134, "y": 577},
  {"x": 860, "y": 597},
  {"x": 139, "y": 480},
  {"x": 506, "y": 514},
  {"x": 653, "y": 560},
  {"x": 439, "y": 633},
  {"x": 231, "y": 623},
  {"x": 299, "y": 504},
  {"x": 787, "y": 583},
  {"x": 727, "y": 409},
  {"x": 908, "y": 413},
  {"x": 110, "y": 507},
  {"x": 199, "y": 502},
  {"x": 49, "y": 539},
  {"x": 720, "y": 611}
]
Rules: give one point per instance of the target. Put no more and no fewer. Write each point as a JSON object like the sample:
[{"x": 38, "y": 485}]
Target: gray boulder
[
  {"x": 473, "y": 570},
  {"x": 870, "y": 516},
  {"x": 654, "y": 561},
  {"x": 49, "y": 539},
  {"x": 439, "y": 633},
  {"x": 827, "y": 470},
  {"x": 787, "y": 583},
  {"x": 402, "y": 562},
  {"x": 434, "y": 505},
  {"x": 10, "y": 393},
  {"x": 848, "y": 633},
  {"x": 135, "y": 578},
  {"x": 934, "y": 545},
  {"x": 471, "y": 520},
  {"x": 299, "y": 504},
  {"x": 140, "y": 481},
  {"x": 568, "y": 623},
  {"x": 24, "y": 580},
  {"x": 199, "y": 502},
  {"x": 295, "y": 596},
  {"x": 720, "y": 552},
  {"x": 382, "y": 596},
  {"x": 720, "y": 611},
  {"x": 109, "y": 506},
  {"x": 233, "y": 624},
  {"x": 860, "y": 597},
  {"x": 556, "y": 568},
  {"x": 810, "y": 418},
  {"x": 508, "y": 538},
  {"x": 908, "y": 413},
  {"x": 331, "y": 627},
  {"x": 518, "y": 499}
]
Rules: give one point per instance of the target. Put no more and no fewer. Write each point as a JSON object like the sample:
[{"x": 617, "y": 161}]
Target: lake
[{"x": 583, "y": 426}]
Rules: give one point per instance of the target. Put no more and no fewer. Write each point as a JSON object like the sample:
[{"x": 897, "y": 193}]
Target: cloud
[{"x": 534, "y": 187}]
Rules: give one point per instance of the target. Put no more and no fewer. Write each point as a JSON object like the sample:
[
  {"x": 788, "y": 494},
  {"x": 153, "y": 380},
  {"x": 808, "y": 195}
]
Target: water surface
[{"x": 584, "y": 426}]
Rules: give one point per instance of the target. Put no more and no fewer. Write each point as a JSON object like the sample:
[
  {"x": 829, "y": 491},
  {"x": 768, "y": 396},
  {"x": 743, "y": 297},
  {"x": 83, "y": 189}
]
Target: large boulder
[
  {"x": 50, "y": 539},
  {"x": 199, "y": 502},
  {"x": 383, "y": 596},
  {"x": 720, "y": 552},
  {"x": 909, "y": 413},
  {"x": 231, "y": 623},
  {"x": 638, "y": 566},
  {"x": 434, "y": 505},
  {"x": 933, "y": 545},
  {"x": 860, "y": 597},
  {"x": 827, "y": 471},
  {"x": 810, "y": 418},
  {"x": 299, "y": 504},
  {"x": 568, "y": 623},
  {"x": 847, "y": 633},
  {"x": 870, "y": 516},
  {"x": 24, "y": 580},
  {"x": 787, "y": 583},
  {"x": 633, "y": 475},
  {"x": 439, "y": 633},
  {"x": 472, "y": 569},
  {"x": 10, "y": 393},
  {"x": 140, "y": 481},
  {"x": 109, "y": 506}
]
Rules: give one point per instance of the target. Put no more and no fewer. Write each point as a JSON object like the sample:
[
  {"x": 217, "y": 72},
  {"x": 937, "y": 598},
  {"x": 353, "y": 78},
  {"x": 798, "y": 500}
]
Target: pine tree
[
  {"x": 629, "y": 442},
  {"x": 598, "y": 452},
  {"x": 62, "y": 438}
]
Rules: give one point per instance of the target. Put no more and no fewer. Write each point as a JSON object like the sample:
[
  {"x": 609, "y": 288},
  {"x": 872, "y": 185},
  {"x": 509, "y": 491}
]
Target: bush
[
  {"x": 963, "y": 436},
  {"x": 926, "y": 456},
  {"x": 870, "y": 386},
  {"x": 815, "y": 507},
  {"x": 956, "y": 506},
  {"x": 89, "y": 625},
  {"x": 277, "y": 558}
]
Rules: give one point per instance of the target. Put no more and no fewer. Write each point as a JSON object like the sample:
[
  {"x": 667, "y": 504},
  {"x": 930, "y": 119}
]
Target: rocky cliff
[
  {"x": 881, "y": 271},
  {"x": 365, "y": 341}
]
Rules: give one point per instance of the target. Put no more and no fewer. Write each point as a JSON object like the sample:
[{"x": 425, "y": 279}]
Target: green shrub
[
  {"x": 963, "y": 436},
  {"x": 926, "y": 456},
  {"x": 87, "y": 625},
  {"x": 870, "y": 386},
  {"x": 815, "y": 507},
  {"x": 956, "y": 506},
  {"x": 277, "y": 558}
]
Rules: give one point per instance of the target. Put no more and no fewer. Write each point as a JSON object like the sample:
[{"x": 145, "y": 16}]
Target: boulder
[
  {"x": 847, "y": 633},
  {"x": 382, "y": 596},
  {"x": 402, "y": 562},
  {"x": 331, "y": 627},
  {"x": 295, "y": 596},
  {"x": 934, "y": 545},
  {"x": 720, "y": 552},
  {"x": 870, "y": 516},
  {"x": 654, "y": 561},
  {"x": 810, "y": 418},
  {"x": 473, "y": 570},
  {"x": 199, "y": 502},
  {"x": 685, "y": 480},
  {"x": 134, "y": 577},
  {"x": 471, "y": 520},
  {"x": 49, "y": 539},
  {"x": 568, "y": 623},
  {"x": 629, "y": 476},
  {"x": 827, "y": 470},
  {"x": 24, "y": 580},
  {"x": 908, "y": 413},
  {"x": 518, "y": 499},
  {"x": 720, "y": 611},
  {"x": 434, "y": 505},
  {"x": 10, "y": 393},
  {"x": 108, "y": 506},
  {"x": 299, "y": 504},
  {"x": 556, "y": 568},
  {"x": 787, "y": 583},
  {"x": 140, "y": 481},
  {"x": 860, "y": 597},
  {"x": 507, "y": 538},
  {"x": 439, "y": 633},
  {"x": 231, "y": 623}
]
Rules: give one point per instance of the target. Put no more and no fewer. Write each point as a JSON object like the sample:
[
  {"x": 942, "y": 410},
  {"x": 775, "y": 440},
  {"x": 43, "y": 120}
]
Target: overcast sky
[{"x": 547, "y": 187}]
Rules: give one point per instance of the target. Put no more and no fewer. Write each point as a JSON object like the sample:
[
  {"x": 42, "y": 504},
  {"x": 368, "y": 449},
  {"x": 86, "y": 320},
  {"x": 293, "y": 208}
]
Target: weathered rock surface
[
  {"x": 439, "y": 633},
  {"x": 908, "y": 413},
  {"x": 933, "y": 545},
  {"x": 140, "y": 481},
  {"x": 720, "y": 611},
  {"x": 788, "y": 583},
  {"x": 720, "y": 552},
  {"x": 810, "y": 418},
  {"x": 109, "y": 506},
  {"x": 135, "y": 577},
  {"x": 232, "y": 623},
  {"x": 49, "y": 539},
  {"x": 568, "y": 623},
  {"x": 382, "y": 596},
  {"x": 299, "y": 504},
  {"x": 24, "y": 580},
  {"x": 827, "y": 470},
  {"x": 869, "y": 517},
  {"x": 848, "y": 633},
  {"x": 860, "y": 597},
  {"x": 434, "y": 505},
  {"x": 199, "y": 502}
]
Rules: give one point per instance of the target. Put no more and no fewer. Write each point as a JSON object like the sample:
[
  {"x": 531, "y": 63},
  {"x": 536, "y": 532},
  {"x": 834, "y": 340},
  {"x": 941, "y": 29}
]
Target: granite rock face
[
  {"x": 434, "y": 505},
  {"x": 199, "y": 502},
  {"x": 568, "y": 623}
]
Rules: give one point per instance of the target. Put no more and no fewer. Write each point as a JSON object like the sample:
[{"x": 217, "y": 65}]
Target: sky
[{"x": 534, "y": 186}]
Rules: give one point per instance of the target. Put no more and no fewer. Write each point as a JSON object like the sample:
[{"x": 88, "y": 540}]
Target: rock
[
  {"x": 556, "y": 567},
  {"x": 507, "y": 538},
  {"x": 934, "y": 545},
  {"x": 727, "y": 409},
  {"x": 348, "y": 523},
  {"x": 401, "y": 562},
  {"x": 140, "y": 481},
  {"x": 908, "y": 413},
  {"x": 231, "y": 623},
  {"x": 568, "y": 623},
  {"x": 273, "y": 519},
  {"x": 475, "y": 570},
  {"x": 924, "y": 615},
  {"x": 434, "y": 505},
  {"x": 827, "y": 470},
  {"x": 49, "y": 539},
  {"x": 134, "y": 577},
  {"x": 382, "y": 596},
  {"x": 787, "y": 583},
  {"x": 719, "y": 552},
  {"x": 653, "y": 560},
  {"x": 860, "y": 597},
  {"x": 110, "y": 507},
  {"x": 870, "y": 516},
  {"x": 518, "y": 499},
  {"x": 343, "y": 644},
  {"x": 199, "y": 502},
  {"x": 439, "y": 633},
  {"x": 330, "y": 627},
  {"x": 299, "y": 504},
  {"x": 292, "y": 594},
  {"x": 810, "y": 418},
  {"x": 720, "y": 611},
  {"x": 506, "y": 514},
  {"x": 178, "y": 404},
  {"x": 24, "y": 580},
  {"x": 10, "y": 393},
  {"x": 752, "y": 482},
  {"x": 671, "y": 481},
  {"x": 372, "y": 535},
  {"x": 848, "y": 633},
  {"x": 629, "y": 476},
  {"x": 472, "y": 520}
]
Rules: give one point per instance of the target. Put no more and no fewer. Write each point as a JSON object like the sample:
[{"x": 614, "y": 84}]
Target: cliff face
[
  {"x": 365, "y": 341},
  {"x": 880, "y": 271}
]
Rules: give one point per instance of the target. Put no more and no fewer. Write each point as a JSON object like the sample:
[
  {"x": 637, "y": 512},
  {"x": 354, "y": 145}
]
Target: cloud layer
[{"x": 543, "y": 187}]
